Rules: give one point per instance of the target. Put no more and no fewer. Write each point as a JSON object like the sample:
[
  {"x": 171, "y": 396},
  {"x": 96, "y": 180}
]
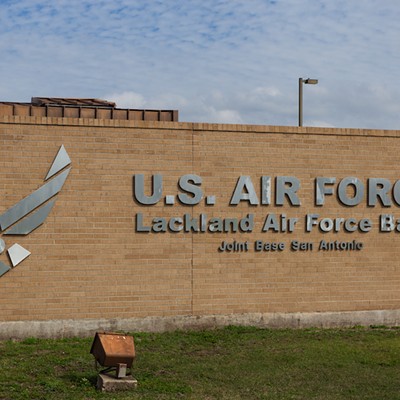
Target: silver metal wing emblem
[{"x": 29, "y": 213}]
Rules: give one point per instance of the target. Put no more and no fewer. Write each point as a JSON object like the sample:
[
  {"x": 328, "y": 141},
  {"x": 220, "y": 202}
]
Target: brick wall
[{"x": 87, "y": 260}]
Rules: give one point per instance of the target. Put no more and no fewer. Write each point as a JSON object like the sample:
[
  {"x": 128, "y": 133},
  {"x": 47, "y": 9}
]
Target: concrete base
[
  {"x": 107, "y": 383},
  {"x": 88, "y": 327}
]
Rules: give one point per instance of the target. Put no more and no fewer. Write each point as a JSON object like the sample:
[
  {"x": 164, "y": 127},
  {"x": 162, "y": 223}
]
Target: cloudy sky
[{"x": 230, "y": 61}]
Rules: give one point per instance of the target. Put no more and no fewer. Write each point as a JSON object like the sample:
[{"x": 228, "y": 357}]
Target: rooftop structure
[{"x": 82, "y": 108}]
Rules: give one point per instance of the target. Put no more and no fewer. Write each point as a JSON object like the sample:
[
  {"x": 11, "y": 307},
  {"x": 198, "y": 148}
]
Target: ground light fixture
[
  {"x": 113, "y": 351},
  {"x": 308, "y": 81}
]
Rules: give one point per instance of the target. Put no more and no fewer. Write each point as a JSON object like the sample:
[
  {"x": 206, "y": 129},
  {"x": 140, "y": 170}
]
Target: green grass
[{"x": 231, "y": 363}]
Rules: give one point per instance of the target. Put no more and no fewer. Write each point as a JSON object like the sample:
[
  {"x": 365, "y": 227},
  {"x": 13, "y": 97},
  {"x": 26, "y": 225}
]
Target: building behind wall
[{"x": 104, "y": 259}]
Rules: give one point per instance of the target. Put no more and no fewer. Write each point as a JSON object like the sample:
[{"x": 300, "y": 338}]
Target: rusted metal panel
[
  {"x": 136, "y": 115},
  {"x": 54, "y": 111},
  {"x": 83, "y": 108},
  {"x": 111, "y": 349},
  {"x": 71, "y": 112},
  {"x": 104, "y": 113},
  {"x": 120, "y": 114},
  {"x": 151, "y": 115},
  {"x": 6, "y": 109},
  {"x": 38, "y": 111},
  {"x": 166, "y": 116},
  {"x": 22, "y": 110},
  {"x": 88, "y": 112}
]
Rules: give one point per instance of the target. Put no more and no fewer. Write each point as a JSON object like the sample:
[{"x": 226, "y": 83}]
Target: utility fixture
[
  {"x": 114, "y": 351},
  {"x": 307, "y": 81}
]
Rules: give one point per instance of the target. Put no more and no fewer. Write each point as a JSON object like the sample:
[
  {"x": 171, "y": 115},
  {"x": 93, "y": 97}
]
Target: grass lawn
[{"x": 231, "y": 363}]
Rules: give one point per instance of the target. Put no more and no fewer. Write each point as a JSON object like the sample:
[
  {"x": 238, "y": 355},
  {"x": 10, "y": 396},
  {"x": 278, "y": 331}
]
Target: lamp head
[{"x": 310, "y": 81}]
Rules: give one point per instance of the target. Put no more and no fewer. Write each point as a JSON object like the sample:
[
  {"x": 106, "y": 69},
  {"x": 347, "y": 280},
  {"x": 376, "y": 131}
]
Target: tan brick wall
[{"x": 87, "y": 260}]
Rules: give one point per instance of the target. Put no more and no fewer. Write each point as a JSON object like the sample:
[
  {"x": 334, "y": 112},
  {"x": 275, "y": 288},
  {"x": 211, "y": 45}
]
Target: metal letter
[
  {"x": 311, "y": 220},
  {"x": 139, "y": 224},
  {"x": 265, "y": 190},
  {"x": 290, "y": 191},
  {"x": 139, "y": 190},
  {"x": 210, "y": 200},
  {"x": 244, "y": 182},
  {"x": 175, "y": 224},
  {"x": 169, "y": 200},
  {"x": 387, "y": 223},
  {"x": 186, "y": 185},
  {"x": 358, "y": 195},
  {"x": 396, "y": 192},
  {"x": 247, "y": 223},
  {"x": 379, "y": 187},
  {"x": 271, "y": 222},
  {"x": 321, "y": 190},
  {"x": 365, "y": 225},
  {"x": 326, "y": 224},
  {"x": 190, "y": 223}
]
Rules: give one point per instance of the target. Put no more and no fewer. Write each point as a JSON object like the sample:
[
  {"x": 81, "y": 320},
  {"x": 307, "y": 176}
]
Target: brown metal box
[{"x": 111, "y": 349}]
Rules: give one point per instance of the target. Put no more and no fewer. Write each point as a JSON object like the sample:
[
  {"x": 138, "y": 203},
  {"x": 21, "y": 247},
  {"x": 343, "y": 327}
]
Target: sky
[{"x": 223, "y": 61}]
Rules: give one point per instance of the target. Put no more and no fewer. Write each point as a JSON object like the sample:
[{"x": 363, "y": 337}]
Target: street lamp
[{"x": 307, "y": 81}]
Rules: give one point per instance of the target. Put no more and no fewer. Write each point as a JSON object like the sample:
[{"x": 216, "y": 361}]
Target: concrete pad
[{"x": 107, "y": 383}]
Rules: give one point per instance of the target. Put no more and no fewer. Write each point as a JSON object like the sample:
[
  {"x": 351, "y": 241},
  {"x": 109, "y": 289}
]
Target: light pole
[{"x": 307, "y": 81}]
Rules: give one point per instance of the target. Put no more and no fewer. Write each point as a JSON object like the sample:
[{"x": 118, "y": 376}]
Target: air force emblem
[{"x": 29, "y": 213}]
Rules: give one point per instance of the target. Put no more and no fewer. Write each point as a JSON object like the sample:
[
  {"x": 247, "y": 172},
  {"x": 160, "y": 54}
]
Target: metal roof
[{"x": 62, "y": 101}]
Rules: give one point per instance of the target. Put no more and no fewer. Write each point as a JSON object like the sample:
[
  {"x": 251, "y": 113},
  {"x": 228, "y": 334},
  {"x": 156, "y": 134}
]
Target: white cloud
[
  {"x": 224, "y": 116},
  {"x": 215, "y": 60},
  {"x": 267, "y": 91},
  {"x": 127, "y": 100},
  {"x": 320, "y": 124}
]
